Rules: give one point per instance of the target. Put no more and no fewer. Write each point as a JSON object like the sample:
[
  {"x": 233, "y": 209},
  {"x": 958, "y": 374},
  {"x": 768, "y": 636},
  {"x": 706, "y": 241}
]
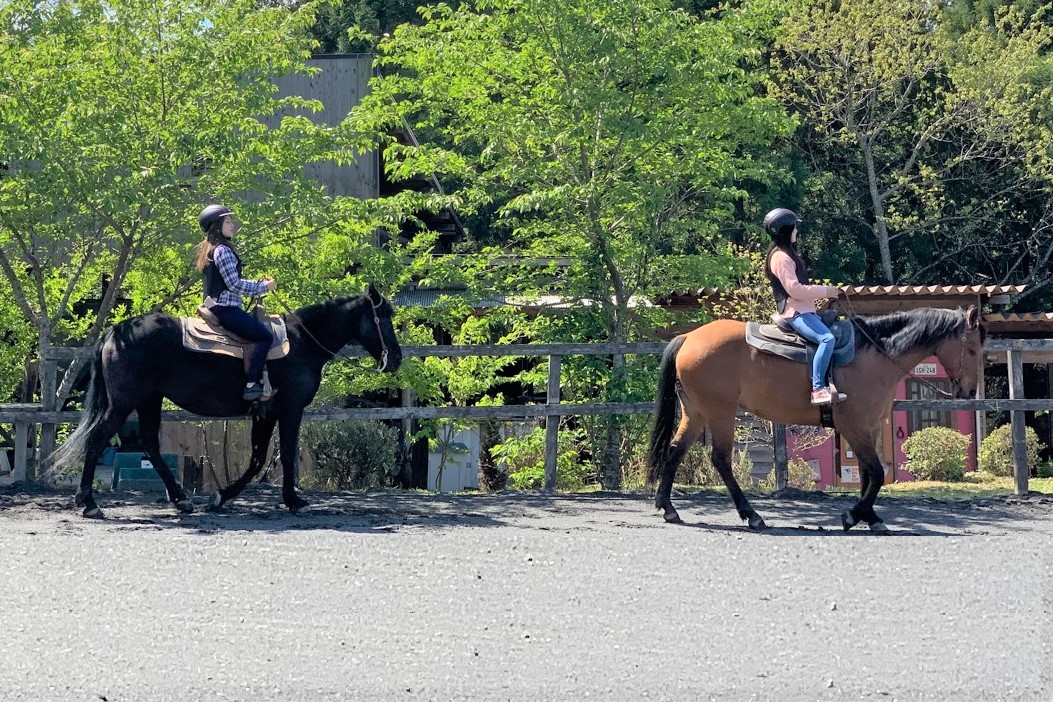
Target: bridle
[
  {"x": 380, "y": 334},
  {"x": 338, "y": 353},
  {"x": 955, "y": 381}
]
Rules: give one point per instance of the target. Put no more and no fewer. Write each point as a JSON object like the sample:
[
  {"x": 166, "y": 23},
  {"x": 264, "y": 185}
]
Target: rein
[
  {"x": 910, "y": 372},
  {"x": 338, "y": 353}
]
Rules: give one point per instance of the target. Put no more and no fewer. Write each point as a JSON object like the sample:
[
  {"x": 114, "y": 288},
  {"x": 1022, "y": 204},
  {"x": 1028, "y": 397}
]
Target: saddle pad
[
  {"x": 771, "y": 339},
  {"x": 199, "y": 335}
]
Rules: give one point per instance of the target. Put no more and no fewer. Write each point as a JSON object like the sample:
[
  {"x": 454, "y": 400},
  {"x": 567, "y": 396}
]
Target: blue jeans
[
  {"x": 238, "y": 321},
  {"x": 812, "y": 328}
]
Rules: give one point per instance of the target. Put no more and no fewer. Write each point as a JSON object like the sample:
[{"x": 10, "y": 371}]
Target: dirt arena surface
[{"x": 401, "y": 596}]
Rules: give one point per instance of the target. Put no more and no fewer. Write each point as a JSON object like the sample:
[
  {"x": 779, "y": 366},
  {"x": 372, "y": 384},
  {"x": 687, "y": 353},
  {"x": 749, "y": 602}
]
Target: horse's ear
[
  {"x": 972, "y": 318},
  {"x": 372, "y": 293}
]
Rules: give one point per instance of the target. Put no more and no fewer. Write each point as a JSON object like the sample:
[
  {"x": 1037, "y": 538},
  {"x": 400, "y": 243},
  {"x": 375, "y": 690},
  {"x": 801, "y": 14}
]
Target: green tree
[
  {"x": 931, "y": 142},
  {"x": 610, "y": 141},
  {"x": 119, "y": 120}
]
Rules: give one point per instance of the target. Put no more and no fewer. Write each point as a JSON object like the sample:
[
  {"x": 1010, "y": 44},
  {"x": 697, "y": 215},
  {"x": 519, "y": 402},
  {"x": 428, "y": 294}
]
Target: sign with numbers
[{"x": 925, "y": 369}]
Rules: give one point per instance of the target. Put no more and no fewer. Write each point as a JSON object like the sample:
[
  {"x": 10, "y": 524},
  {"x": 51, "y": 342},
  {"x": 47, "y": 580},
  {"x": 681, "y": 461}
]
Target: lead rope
[
  {"x": 908, "y": 372},
  {"x": 339, "y": 353}
]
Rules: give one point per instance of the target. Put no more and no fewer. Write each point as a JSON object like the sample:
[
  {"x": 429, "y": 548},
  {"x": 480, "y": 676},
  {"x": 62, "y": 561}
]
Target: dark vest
[
  {"x": 777, "y": 290},
  {"x": 214, "y": 283}
]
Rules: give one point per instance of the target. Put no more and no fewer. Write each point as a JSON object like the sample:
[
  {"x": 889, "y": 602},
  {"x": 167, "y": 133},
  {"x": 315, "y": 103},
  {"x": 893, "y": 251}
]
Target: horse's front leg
[
  {"x": 262, "y": 429},
  {"x": 289, "y": 441},
  {"x": 872, "y": 477}
]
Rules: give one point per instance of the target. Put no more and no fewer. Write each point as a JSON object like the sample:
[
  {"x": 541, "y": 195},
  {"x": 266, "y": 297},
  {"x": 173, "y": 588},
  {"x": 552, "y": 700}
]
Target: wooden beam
[
  {"x": 555, "y": 364},
  {"x": 1016, "y": 418}
]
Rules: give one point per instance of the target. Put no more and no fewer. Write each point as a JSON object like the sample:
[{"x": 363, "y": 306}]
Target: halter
[{"x": 338, "y": 353}]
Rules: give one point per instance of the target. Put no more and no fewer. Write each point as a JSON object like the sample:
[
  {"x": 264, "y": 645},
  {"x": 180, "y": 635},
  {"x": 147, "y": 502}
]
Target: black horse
[{"x": 142, "y": 360}]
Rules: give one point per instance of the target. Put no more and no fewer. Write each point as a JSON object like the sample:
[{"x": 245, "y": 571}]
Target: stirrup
[
  {"x": 253, "y": 392},
  {"x": 836, "y": 395}
]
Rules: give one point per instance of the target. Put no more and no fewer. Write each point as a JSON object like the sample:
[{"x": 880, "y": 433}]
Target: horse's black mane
[
  {"x": 900, "y": 333},
  {"x": 325, "y": 308}
]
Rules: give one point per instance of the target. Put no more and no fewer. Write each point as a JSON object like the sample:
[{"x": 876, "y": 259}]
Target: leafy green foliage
[
  {"x": 927, "y": 141},
  {"x": 117, "y": 122},
  {"x": 996, "y": 450},
  {"x": 936, "y": 453},
  {"x": 522, "y": 458},
  {"x": 350, "y": 455}
]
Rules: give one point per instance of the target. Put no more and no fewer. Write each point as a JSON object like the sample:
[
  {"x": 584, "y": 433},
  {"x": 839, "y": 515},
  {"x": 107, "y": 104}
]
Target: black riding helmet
[
  {"x": 212, "y": 214},
  {"x": 780, "y": 223}
]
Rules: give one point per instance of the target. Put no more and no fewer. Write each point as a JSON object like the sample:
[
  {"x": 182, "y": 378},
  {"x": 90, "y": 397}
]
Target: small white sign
[
  {"x": 925, "y": 369},
  {"x": 849, "y": 474},
  {"x": 145, "y": 463}
]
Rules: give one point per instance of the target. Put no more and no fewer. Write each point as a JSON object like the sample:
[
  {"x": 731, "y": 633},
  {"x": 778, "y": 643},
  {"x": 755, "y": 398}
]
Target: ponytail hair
[{"x": 203, "y": 251}]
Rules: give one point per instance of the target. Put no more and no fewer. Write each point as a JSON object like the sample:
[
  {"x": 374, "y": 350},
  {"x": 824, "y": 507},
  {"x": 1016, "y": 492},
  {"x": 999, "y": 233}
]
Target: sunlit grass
[{"x": 977, "y": 484}]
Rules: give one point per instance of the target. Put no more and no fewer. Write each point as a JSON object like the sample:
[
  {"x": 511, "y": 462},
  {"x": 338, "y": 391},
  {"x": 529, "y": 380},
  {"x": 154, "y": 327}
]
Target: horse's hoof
[
  {"x": 93, "y": 512},
  {"x": 298, "y": 505},
  {"x": 756, "y": 522},
  {"x": 185, "y": 505},
  {"x": 847, "y": 522},
  {"x": 671, "y": 516},
  {"x": 879, "y": 528},
  {"x": 215, "y": 501}
]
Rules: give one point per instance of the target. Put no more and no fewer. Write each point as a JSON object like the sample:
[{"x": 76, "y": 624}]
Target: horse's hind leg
[
  {"x": 723, "y": 442},
  {"x": 110, "y": 424},
  {"x": 262, "y": 430},
  {"x": 687, "y": 433},
  {"x": 150, "y": 430}
]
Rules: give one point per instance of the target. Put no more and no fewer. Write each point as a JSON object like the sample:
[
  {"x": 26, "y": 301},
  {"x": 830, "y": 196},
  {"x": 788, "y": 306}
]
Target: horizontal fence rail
[{"x": 24, "y": 416}]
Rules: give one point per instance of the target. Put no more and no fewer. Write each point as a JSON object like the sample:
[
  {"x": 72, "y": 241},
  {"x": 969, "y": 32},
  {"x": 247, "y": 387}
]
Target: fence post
[
  {"x": 552, "y": 423},
  {"x": 48, "y": 401},
  {"x": 778, "y": 439},
  {"x": 1016, "y": 419}
]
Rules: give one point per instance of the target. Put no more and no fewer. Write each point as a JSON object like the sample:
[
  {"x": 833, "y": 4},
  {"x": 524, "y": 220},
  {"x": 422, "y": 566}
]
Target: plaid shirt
[{"x": 237, "y": 287}]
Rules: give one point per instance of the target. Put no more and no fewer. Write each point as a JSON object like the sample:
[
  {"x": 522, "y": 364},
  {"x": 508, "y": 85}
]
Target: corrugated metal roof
[
  {"x": 895, "y": 290},
  {"x": 427, "y": 297},
  {"x": 1019, "y": 322},
  {"x": 933, "y": 290},
  {"x": 1019, "y": 317}
]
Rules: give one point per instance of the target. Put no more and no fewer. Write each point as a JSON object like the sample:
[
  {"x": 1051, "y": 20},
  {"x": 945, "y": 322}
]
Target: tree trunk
[
  {"x": 491, "y": 477},
  {"x": 880, "y": 227}
]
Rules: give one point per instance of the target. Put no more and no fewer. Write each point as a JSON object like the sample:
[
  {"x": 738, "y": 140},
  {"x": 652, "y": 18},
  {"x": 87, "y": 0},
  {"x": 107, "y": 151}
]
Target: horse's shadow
[
  {"x": 815, "y": 514},
  {"x": 788, "y": 514}
]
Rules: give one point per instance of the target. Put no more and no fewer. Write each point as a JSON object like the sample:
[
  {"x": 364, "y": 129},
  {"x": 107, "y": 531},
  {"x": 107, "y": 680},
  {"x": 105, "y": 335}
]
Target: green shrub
[
  {"x": 799, "y": 474},
  {"x": 350, "y": 455},
  {"x": 1045, "y": 470},
  {"x": 936, "y": 453},
  {"x": 522, "y": 458},
  {"x": 996, "y": 451}
]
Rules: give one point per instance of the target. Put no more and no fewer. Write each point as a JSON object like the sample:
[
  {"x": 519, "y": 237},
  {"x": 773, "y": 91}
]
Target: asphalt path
[{"x": 404, "y": 596}]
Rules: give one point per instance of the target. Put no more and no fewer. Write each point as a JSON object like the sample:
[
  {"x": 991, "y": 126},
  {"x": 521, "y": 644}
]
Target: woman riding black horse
[
  {"x": 142, "y": 361},
  {"x": 221, "y": 267}
]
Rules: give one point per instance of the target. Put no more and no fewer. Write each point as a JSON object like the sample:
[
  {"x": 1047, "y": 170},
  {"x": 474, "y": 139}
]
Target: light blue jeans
[{"x": 811, "y": 327}]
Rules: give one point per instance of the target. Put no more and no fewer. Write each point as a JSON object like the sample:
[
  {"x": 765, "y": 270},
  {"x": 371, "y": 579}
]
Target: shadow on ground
[{"x": 788, "y": 513}]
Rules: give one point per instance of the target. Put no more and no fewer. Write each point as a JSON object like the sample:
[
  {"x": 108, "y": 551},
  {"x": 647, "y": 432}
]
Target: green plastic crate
[{"x": 129, "y": 472}]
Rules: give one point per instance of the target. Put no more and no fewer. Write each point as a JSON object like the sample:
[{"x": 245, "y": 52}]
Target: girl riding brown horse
[{"x": 710, "y": 372}]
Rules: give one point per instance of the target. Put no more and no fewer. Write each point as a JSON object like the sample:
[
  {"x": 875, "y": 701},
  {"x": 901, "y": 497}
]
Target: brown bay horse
[{"x": 708, "y": 373}]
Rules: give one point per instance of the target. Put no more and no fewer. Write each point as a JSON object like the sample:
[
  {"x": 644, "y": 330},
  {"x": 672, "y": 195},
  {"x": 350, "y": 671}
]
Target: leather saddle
[
  {"x": 207, "y": 335},
  {"x": 780, "y": 339}
]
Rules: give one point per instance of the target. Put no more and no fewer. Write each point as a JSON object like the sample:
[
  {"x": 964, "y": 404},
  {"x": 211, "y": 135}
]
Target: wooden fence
[{"x": 25, "y": 417}]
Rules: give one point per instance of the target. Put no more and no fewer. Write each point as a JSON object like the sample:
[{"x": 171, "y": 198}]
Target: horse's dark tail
[
  {"x": 665, "y": 411},
  {"x": 96, "y": 401}
]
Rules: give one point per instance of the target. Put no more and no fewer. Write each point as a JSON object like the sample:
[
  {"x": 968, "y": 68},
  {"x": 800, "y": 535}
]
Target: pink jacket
[{"x": 802, "y": 297}]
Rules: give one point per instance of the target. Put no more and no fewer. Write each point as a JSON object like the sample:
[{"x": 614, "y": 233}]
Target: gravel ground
[{"x": 395, "y": 596}]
